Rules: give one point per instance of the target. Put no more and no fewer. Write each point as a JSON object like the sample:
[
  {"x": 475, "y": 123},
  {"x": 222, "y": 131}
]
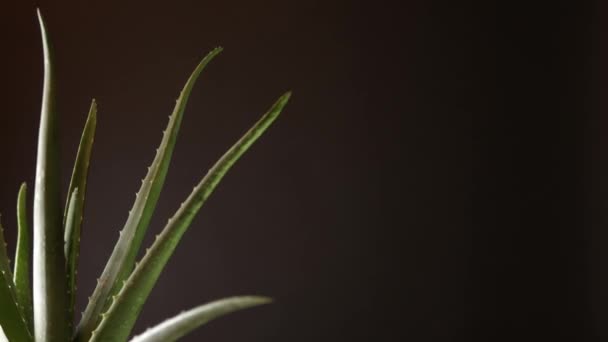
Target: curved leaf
[
  {"x": 182, "y": 324},
  {"x": 50, "y": 293},
  {"x": 117, "y": 323},
  {"x": 21, "y": 275},
  {"x": 121, "y": 262},
  {"x": 79, "y": 180},
  {"x": 72, "y": 221}
]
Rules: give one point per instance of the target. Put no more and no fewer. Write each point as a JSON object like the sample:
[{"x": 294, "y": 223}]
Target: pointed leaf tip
[
  {"x": 122, "y": 260},
  {"x": 278, "y": 106},
  {"x": 44, "y": 36},
  {"x": 123, "y": 312},
  {"x": 49, "y": 280},
  {"x": 285, "y": 97}
]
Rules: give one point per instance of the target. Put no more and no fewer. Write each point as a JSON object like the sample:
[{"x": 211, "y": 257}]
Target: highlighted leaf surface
[
  {"x": 182, "y": 324},
  {"x": 50, "y": 290},
  {"x": 121, "y": 262},
  {"x": 117, "y": 323}
]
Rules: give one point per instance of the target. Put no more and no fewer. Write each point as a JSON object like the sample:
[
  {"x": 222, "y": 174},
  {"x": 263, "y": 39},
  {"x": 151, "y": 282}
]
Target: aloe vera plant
[{"x": 44, "y": 310}]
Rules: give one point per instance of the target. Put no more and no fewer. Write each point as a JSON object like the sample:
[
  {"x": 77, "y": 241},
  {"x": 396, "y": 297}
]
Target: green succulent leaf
[
  {"x": 72, "y": 231},
  {"x": 122, "y": 260},
  {"x": 5, "y": 262},
  {"x": 182, "y": 324},
  {"x": 79, "y": 180},
  {"x": 11, "y": 319},
  {"x": 118, "y": 321},
  {"x": 21, "y": 275},
  {"x": 13, "y": 324},
  {"x": 74, "y": 210},
  {"x": 49, "y": 291}
]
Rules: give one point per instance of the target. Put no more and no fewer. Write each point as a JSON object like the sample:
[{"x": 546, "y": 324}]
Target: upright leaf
[
  {"x": 13, "y": 324},
  {"x": 71, "y": 252},
  {"x": 5, "y": 263},
  {"x": 81, "y": 170},
  {"x": 72, "y": 221},
  {"x": 182, "y": 324},
  {"x": 117, "y": 323},
  {"x": 121, "y": 262},
  {"x": 50, "y": 292},
  {"x": 11, "y": 319},
  {"x": 21, "y": 276}
]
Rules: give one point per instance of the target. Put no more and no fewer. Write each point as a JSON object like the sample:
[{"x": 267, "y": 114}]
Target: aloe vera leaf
[
  {"x": 79, "y": 177},
  {"x": 182, "y": 324},
  {"x": 122, "y": 260},
  {"x": 11, "y": 318},
  {"x": 5, "y": 262},
  {"x": 50, "y": 293},
  {"x": 21, "y": 275},
  {"x": 118, "y": 321},
  {"x": 78, "y": 181},
  {"x": 72, "y": 231}
]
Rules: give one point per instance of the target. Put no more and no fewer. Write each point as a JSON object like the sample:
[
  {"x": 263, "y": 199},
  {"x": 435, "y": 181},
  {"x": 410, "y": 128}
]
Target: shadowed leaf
[
  {"x": 11, "y": 319},
  {"x": 71, "y": 252}
]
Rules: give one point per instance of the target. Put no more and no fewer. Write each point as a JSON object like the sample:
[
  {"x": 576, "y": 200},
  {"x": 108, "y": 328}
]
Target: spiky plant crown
[{"x": 124, "y": 285}]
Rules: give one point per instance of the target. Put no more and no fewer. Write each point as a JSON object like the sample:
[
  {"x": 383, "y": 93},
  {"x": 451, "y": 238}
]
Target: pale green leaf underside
[
  {"x": 182, "y": 324},
  {"x": 49, "y": 290},
  {"x": 120, "y": 263},
  {"x": 117, "y": 323},
  {"x": 21, "y": 275}
]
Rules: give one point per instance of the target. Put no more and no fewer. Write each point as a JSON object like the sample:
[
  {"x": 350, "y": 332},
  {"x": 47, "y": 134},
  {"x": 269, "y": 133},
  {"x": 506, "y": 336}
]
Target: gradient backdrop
[{"x": 440, "y": 174}]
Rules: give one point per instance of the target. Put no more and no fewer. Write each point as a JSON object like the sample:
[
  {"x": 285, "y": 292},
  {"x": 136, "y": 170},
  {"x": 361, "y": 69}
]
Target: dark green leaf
[{"x": 11, "y": 319}]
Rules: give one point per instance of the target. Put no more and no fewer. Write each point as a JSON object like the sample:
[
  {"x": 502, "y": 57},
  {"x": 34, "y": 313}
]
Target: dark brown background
[{"x": 439, "y": 174}]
